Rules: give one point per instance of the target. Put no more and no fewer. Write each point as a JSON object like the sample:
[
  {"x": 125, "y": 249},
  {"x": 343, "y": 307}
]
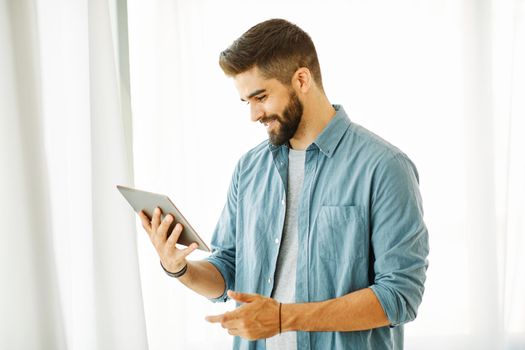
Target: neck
[{"x": 317, "y": 113}]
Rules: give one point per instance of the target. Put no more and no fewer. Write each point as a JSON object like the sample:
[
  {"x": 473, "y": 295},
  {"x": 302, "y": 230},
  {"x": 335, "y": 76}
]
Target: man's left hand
[{"x": 256, "y": 318}]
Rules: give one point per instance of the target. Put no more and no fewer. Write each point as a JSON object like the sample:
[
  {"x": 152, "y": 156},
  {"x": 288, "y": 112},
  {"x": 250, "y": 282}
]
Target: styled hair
[{"x": 277, "y": 47}]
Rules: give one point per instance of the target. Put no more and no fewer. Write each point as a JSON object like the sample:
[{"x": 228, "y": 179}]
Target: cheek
[{"x": 273, "y": 106}]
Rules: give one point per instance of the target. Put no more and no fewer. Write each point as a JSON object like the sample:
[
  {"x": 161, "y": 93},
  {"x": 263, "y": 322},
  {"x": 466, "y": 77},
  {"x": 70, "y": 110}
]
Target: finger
[
  {"x": 146, "y": 223},
  {"x": 230, "y": 323},
  {"x": 162, "y": 230},
  {"x": 189, "y": 250},
  {"x": 214, "y": 319},
  {"x": 175, "y": 234},
  {"x": 156, "y": 220},
  {"x": 234, "y": 331},
  {"x": 242, "y": 297}
]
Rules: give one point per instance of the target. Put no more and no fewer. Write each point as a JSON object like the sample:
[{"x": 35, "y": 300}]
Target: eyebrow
[{"x": 255, "y": 93}]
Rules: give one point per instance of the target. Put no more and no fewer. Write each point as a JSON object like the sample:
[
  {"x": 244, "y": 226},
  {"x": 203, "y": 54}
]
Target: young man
[{"x": 322, "y": 241}]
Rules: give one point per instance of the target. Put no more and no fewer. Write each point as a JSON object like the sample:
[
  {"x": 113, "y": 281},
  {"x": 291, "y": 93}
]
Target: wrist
[
  {"x": 179, "y": 272},
  {"x": 280, "y": 318},
  {"x": 286, "y": 318},
  {"x": 292, "y": 317}
]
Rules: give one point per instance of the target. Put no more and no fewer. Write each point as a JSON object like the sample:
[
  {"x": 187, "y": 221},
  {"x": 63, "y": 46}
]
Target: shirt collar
[{"x": 329, "y": 138}]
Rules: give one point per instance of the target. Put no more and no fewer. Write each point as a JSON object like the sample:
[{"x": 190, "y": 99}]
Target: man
[{"x": 322, "y": 241}]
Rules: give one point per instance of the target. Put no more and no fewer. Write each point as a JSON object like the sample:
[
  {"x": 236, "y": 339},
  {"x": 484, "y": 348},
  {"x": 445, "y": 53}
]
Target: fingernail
[
  {"x": 157, "y": 210},
  {"x": 169, "y": 218}
]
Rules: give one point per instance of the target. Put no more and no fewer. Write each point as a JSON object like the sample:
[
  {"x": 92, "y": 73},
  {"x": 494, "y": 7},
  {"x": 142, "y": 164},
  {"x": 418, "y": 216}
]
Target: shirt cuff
[{"x": 387, "y": 303}]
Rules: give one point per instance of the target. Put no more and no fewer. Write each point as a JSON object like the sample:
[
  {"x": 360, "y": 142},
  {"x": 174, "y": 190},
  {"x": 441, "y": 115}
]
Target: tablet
[{"x": 148, "y": 201}]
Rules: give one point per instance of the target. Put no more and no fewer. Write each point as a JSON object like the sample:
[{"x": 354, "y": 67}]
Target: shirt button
[
  {"x": 269, "y": 280},
  {"x": 277, "y": 241},
  {"x": 283, "y": 202}
]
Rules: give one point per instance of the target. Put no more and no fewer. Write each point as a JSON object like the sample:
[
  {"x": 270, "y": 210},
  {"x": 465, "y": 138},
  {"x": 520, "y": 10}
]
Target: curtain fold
[
  {"x": 70, "y": 276},
  {"x": 480, "y": 192},
  {"x": 118, "y": 300},
  {"x": 514, "y": 190},
  {"x": 29, "y": 299}
]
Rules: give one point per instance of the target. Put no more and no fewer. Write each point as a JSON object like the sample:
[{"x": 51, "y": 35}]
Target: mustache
[{"x": 268, "y": 119}]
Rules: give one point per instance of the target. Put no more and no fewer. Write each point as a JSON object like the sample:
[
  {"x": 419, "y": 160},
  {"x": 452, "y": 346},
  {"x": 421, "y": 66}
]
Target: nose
[{"x": 256, "y": 112}]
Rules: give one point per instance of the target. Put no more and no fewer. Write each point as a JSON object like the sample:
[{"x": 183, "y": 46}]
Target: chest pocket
[{"x": 340, "y": 233}]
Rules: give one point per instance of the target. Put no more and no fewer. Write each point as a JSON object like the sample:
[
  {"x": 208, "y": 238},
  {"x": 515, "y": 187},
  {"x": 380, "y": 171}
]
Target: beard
[{"x": 288, "y": 123}]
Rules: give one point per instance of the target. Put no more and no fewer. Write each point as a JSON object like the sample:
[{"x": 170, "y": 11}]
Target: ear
[{"x": 302, "y": 80}]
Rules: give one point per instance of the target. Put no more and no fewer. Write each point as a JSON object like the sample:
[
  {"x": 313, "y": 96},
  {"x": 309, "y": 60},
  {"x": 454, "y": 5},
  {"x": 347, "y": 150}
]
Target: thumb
[{"x": 242, "y": 297}]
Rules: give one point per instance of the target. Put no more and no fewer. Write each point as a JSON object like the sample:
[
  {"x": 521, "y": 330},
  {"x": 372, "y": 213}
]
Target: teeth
[{"x": 268, "y": 123}]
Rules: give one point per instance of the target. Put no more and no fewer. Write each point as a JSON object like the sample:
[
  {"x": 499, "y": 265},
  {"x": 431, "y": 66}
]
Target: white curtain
[
  {"x": 442, "y": 79},
  {"x": 69, "y": 264}
]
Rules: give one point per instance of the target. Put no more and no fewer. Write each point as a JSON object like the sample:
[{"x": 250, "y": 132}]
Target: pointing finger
[
  {"x": 242, "y": 297},
  {"x": 215, "y": 319}
]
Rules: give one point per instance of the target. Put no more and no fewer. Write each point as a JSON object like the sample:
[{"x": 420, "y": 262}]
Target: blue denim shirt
[{"x": 360, "y": 225}]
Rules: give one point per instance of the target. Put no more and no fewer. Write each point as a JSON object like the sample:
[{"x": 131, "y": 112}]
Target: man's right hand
[{"x": 172, "y": 258}]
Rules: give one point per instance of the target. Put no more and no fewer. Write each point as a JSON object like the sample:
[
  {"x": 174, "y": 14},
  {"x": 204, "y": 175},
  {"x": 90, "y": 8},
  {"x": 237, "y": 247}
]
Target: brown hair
[{"x": 277, "y": 47}]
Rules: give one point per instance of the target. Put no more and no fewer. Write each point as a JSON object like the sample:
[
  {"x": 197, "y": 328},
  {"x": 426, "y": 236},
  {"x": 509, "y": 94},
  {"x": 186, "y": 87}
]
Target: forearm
[
  {"x": 356, "y": 311},
  {"x": 203, "y": 278}
]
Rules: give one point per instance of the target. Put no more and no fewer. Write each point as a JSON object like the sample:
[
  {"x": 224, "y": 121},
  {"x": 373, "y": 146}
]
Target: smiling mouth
[{"x": 268, "y": 123}]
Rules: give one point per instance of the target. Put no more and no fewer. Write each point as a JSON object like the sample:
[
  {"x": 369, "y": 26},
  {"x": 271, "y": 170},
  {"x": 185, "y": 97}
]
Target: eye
[{"x": 261, "y": 98}]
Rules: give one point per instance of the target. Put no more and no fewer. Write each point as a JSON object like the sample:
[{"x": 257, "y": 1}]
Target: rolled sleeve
[
  {"x": 223, "y": 262},
  {"x": 223, "y": 241},
  {"x": 399, "y": 239}
]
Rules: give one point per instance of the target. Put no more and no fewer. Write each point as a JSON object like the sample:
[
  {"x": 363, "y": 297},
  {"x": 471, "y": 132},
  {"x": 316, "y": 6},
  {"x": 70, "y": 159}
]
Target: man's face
[{"x": 271, "y": 103}]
